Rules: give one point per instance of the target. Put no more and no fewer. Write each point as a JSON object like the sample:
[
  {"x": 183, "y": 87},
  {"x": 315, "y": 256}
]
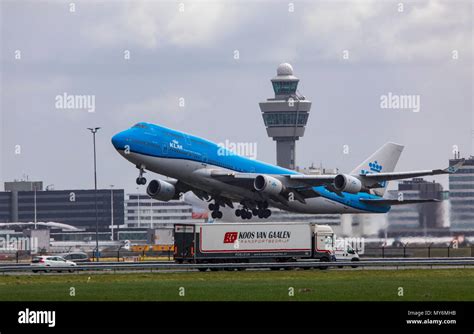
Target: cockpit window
[{"x": 140, "y": 125}]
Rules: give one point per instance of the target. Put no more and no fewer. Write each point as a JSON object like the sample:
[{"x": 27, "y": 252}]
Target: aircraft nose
[{"x": 118, "y": 140}]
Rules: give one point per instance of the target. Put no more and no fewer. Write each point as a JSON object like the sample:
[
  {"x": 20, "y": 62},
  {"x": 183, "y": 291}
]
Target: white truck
[
  {"x": 344, "y": 253},
  {"x": 252, "y": 242}
]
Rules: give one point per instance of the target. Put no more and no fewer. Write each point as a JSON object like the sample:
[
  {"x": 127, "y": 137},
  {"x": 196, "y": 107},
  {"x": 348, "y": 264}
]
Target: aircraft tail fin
[{"x": 383, "y": 160}]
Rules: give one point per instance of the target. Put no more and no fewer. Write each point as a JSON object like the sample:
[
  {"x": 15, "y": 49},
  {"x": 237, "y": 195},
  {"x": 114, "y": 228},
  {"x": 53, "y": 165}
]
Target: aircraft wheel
[
  {"x": 255, "y": 212},
  {"x": 219, "y": 214},
  {"x": 213, "y": 214},
  {"x": 237, "y": 213},
  {"x": 211, "y": 206}
]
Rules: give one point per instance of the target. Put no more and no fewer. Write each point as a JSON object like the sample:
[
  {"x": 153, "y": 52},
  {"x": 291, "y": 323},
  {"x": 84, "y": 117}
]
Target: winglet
[{"x": 453, "y": 169}]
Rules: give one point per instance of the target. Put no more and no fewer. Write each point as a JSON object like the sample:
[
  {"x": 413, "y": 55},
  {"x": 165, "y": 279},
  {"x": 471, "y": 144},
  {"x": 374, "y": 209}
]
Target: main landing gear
[
  {"x": 216, "y": 213},
  {"x": 140, "y": 179},
  {"x": 261, "y": 210}
]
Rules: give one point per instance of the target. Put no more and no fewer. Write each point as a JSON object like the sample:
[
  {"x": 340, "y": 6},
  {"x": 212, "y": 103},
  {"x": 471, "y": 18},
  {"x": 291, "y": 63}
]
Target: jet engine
[
  {"x": 347, "y": 183},
  {"x": 268, "y": 185},
  {"x": 160, "y": 190}
]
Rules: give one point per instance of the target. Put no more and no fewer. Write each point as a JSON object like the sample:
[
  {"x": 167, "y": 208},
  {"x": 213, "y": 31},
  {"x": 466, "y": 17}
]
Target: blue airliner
[{"x": 224, "y": 178}]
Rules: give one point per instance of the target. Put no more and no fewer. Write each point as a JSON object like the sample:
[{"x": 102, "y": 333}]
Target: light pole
[
  {"x": 34, "y": 187},
  {"x": 138, "y": 197},
  {"x": 112, "y": 211},
  {"x": 93, "y": 131}
]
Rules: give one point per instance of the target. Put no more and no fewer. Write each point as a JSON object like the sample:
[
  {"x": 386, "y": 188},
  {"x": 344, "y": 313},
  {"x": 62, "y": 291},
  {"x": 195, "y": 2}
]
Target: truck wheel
[
  {"x": 202, "y": 269},
  {"x": 355, "y": 260},
  {"x": 324, "y": 259},
  {"x": 35, "y": 271}
]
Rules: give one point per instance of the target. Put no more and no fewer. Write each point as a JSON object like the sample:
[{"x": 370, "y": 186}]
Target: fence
[
  {"x": 120, "y": 255},
  {"x": 407, "y": 250},
  {"x": 255, "y": 265}
]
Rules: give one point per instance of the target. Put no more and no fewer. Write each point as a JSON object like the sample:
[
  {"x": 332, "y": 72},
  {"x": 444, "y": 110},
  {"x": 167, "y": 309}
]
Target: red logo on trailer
[{"x": 230, "y": 237}]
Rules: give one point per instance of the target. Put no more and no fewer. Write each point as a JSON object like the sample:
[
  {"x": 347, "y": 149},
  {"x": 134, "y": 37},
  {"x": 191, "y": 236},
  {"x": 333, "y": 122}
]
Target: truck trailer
[{"x": 252, "y": 242}]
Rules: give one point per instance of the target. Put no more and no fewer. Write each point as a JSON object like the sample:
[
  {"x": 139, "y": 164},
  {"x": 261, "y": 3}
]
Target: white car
[{"x": 48, "y": 263}]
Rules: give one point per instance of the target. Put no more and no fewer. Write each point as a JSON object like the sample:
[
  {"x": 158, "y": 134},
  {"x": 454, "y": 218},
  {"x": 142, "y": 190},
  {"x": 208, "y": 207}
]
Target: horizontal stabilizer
[
  {"x": 384, "y": 201},
  {"x": 409, "y": 175}
]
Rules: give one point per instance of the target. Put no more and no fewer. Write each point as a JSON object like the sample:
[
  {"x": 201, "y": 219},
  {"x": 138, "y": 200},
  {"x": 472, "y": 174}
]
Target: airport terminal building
[
  {"x": 142, "y": 211},
  {"x": 461, "y": 195},
  {"x": 26, "y": 201},
  {"x": 418, "y": 218}
]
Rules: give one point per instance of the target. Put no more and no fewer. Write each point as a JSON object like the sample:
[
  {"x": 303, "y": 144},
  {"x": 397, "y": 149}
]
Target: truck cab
[{"x": 323, "y": 243}]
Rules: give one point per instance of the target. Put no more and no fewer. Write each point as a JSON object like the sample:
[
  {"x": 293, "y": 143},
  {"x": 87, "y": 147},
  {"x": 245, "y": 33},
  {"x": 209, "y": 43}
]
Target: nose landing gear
[{"x": 140, "y": 179}]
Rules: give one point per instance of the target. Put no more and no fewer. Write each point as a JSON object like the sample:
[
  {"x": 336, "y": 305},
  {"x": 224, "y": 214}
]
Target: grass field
[{"x": 315, "y": 285}]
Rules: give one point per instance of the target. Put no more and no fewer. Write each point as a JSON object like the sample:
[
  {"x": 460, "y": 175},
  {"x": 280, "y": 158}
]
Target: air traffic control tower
[{"x": 285, "y": 116}]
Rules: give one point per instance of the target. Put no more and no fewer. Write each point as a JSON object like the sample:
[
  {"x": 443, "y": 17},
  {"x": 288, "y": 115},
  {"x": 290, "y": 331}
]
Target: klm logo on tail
[{"x": 374, "y": 167}]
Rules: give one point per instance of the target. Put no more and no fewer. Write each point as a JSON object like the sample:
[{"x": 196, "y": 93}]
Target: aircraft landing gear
[
  {"x": 243, "y": 213},
  {"x": 140, "y": 179},
  {"x": 260, "y": 210},
  {"x": 216, "y": 213},
  {"x": 264, "y": 213}
]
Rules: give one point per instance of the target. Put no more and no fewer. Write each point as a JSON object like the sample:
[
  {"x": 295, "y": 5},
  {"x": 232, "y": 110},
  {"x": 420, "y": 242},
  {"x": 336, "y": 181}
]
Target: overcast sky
[{"x": 49, "y": 48}]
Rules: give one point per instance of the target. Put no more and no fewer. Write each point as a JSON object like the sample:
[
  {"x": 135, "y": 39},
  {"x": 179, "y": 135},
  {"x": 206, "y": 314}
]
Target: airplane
[{"x": 221, "y": 177}]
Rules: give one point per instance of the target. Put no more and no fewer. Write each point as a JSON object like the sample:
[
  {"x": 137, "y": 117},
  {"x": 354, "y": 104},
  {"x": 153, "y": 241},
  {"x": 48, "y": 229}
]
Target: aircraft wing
[
  {"x": 380, "y": 177},
  {"x": 384, "y": 201},
  {"x": 312, "y": 180},
  {"x": 237, "y": 179},
  {"x": 300, "y": 187}
]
